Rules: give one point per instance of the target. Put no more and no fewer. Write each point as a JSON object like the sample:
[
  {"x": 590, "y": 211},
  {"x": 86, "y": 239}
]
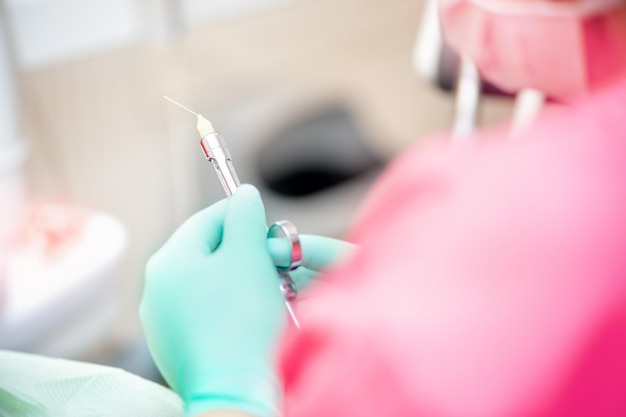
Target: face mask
[{"x": 562, "y": 48}]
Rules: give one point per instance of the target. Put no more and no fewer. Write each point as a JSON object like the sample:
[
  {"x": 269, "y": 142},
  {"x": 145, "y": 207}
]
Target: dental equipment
[
  {"x": 287, "y": 287},
  {"x": 216, "y": 152},
  {"x": 467, "y": 100}
]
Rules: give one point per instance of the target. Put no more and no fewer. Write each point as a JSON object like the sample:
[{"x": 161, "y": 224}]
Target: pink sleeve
[{"x": 491, "y": 282}]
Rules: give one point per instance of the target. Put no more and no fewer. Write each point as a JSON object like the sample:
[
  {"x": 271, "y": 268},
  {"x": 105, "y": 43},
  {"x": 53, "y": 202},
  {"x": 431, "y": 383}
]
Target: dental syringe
[{"x": 215, "y": 150}]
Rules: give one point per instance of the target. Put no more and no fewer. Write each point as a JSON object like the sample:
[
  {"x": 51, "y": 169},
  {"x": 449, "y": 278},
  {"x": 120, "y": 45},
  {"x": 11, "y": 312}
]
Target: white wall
[
  {"x": 49, "y": 32},
  {"x": 199, "y": 12}
]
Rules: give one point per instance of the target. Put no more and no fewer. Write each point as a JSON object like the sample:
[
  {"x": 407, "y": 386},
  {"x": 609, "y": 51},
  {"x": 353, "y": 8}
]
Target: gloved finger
[
  {"x": 318, "y": 252},
  {"x": 245, "y": 224},
  {"x": 202, "y": 232}
]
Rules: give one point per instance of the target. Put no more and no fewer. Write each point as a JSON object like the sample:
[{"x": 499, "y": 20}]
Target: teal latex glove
[{"x": 212, "y": 311}]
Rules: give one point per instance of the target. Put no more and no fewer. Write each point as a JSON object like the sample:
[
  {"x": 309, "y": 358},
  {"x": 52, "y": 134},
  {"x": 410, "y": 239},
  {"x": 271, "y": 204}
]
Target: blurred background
[{"x": 314, "y": 98}]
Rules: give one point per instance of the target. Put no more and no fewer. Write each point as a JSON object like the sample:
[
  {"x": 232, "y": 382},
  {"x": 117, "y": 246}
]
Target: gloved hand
[{"x": 212, "y": 311}]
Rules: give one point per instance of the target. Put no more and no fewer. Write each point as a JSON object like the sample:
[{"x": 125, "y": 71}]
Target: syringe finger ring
[{"x": 290, "y": 232}]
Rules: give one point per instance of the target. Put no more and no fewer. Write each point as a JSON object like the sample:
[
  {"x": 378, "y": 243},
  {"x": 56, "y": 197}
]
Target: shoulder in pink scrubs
[{"x": 491, "y": 282}]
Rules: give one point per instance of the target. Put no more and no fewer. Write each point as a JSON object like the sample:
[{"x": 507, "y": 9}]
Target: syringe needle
[
  {"x": 204, "y": 126},
  {"x": 292, "y": 314},
  {"x": 181, "y": 106}
]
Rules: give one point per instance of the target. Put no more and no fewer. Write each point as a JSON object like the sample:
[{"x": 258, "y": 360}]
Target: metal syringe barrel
[{"x": 216, "y": 151}]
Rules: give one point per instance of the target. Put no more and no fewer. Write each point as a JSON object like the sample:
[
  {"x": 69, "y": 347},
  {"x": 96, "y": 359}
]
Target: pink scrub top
[{"x": 491, "y": 282}]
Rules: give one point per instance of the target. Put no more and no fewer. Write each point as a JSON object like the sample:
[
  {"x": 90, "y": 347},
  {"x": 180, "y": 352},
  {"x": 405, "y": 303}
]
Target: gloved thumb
[{"x": 245, "y": 224}]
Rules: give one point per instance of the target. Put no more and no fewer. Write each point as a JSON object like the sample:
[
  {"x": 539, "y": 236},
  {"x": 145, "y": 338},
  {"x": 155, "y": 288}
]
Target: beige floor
[{"x": 104, "y": 137}]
